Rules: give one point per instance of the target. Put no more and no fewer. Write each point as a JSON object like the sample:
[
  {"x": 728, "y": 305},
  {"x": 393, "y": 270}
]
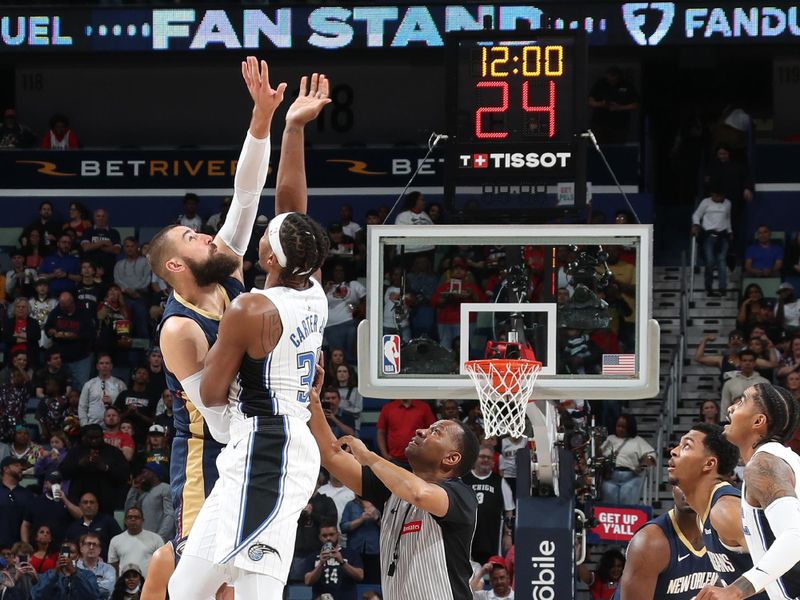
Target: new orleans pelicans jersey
[
  {"x": 758, "y": 532},
  {"x": 278, "y": 384}
]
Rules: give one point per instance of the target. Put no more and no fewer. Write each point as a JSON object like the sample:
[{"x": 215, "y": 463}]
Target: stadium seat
[
  {"x": 126, "y": 232},
  {"x": 147, "y": 233},
  {"x": 368, "y": 587},
  {"x": 9, "y": 236},
  {"x": 298, "y": 592}
]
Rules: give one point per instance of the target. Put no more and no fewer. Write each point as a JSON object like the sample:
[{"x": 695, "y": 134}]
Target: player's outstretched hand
[
  {"x": 717, "y": 593},
  {"x": 310, "y": 100},
  {"x": 264, "y": 97},
  {"x": 357, "y": 447}
]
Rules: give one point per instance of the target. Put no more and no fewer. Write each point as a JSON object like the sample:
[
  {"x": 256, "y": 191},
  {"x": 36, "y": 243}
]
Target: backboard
[{"x": 577, "y": 297}]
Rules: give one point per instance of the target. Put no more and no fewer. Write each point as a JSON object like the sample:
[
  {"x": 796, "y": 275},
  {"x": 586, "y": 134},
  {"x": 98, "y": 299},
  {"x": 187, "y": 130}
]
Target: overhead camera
[{"x": 588, "y": 273}]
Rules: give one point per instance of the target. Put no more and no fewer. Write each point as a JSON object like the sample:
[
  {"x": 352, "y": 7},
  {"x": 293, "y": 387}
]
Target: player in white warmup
[
  {"x": 272, "y": 339},
  {"x": 761, "y": 422}
]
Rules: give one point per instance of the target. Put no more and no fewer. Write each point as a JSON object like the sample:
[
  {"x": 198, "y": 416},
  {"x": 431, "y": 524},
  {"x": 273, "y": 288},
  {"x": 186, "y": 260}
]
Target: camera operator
[
  {"x": 334, "y": 570},
  {"x": 66, "y": 581}
]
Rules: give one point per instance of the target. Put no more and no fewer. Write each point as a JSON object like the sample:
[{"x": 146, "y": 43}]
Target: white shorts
[{"x": 267, "y": 474}]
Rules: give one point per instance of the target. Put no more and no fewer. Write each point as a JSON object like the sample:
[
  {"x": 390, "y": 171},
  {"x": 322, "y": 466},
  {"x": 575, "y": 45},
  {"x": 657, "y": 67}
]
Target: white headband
[{"x": 274, "y": 234}]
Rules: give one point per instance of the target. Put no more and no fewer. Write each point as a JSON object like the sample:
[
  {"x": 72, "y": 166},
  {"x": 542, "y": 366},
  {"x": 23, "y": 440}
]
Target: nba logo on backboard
[{"x": 391, "y": 354}]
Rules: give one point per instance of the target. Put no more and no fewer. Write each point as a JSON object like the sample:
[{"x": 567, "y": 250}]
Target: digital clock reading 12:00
[{"x": 516, "y": 90}]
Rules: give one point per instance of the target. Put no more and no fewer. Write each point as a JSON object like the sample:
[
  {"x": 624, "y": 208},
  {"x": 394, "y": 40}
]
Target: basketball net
[{"x": 504, "y": 389}]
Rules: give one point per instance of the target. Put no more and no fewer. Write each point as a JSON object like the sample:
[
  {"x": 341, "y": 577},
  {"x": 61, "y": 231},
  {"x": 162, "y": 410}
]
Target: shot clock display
[{"x": 516, "y": 106}]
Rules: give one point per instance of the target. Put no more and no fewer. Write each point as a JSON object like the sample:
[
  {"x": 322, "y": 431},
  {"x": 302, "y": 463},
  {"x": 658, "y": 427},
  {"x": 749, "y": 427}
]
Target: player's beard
[{"x": 217, "y": 269}]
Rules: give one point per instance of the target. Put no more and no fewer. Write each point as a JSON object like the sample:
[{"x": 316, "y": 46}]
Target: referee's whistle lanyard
[{"x": 395, "y": 554}]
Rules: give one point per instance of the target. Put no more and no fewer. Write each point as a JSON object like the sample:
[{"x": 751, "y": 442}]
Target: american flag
[{"x": 619, "y": 364}]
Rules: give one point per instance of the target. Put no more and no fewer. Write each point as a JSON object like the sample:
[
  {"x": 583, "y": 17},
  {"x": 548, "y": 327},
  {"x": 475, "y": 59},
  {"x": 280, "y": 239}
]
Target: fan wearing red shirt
[
  {"x": 114, "y": 436},
  {"x": 448, "y": 298},
  {"x": 398, "y": 423}
]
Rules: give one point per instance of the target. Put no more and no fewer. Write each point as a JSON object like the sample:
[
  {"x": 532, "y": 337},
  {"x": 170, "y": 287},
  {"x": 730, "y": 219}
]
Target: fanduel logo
[
  {"x": 544, "y": 574},
  {"x": 636, "y": 15}
]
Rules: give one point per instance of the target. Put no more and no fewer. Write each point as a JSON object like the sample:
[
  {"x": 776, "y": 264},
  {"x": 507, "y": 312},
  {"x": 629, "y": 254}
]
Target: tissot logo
[
  {"x": 514, "y": 160},
  {"x": 640, "y": 17}
]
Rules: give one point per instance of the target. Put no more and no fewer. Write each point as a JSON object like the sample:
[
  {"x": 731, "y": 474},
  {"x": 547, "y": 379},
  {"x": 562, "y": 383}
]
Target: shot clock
[{"x": 516, "y": 106}]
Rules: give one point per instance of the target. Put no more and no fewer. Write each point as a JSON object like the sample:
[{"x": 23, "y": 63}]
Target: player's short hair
[
  {"x": 160, "y": 249},
  {"x": 469, "y": 448},
  {"x": 781, "y": 409},
  {"x": 716, "y": 443},
  {"x": 305, "y": 243}
]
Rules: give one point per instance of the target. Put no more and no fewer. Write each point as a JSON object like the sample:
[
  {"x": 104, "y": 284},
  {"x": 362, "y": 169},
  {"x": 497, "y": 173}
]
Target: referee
[{"x": 429, "y": 514}]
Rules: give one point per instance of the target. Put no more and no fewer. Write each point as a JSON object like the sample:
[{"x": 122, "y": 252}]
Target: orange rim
[{"x": 482, "y": 366}]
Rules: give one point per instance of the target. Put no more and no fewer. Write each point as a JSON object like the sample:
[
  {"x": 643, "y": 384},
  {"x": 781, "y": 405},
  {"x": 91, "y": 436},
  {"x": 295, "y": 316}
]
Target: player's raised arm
[
  {"x": 648, "y": 555},
  {"x": 253, "y": 165},
  {"x": 291, "y": 191}
]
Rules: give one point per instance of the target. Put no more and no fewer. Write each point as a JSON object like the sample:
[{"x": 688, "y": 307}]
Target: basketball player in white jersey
[
  {"x": 761, "y": 421},
  {"x": 272, "y": 339}
]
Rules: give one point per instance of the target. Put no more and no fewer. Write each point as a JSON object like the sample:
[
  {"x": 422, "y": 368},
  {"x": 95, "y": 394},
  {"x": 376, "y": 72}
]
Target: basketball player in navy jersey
[
  {"x": 206, "y": 274},
  {"x": 666, "y": 559},
  {"x": 269, "y": 341},
  {"x": 761, "y": 422},
  {"x": 702, "y": 464}
]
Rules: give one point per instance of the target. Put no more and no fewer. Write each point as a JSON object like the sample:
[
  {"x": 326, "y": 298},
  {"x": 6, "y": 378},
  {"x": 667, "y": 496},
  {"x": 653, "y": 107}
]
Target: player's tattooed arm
[{"x": 767, "y": 478}]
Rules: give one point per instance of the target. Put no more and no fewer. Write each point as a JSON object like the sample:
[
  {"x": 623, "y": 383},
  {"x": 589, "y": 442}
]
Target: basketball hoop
[{"x": 504, "y": 388}]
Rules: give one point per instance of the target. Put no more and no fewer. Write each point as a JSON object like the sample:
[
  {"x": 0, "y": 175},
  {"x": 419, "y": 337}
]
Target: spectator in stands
[
  {"x": 34, "y": 250},
  {"x": 78, "y": 221},
  {"x": 44, "y": 556},
  {"x": 104, "y": 526},
  {"x": 90, "y": 559},
  {"x": 150, "y": 492},
  {"x": 130, "y": 583},
  {"x": 351, "y": 400},
  {"x": 40, "y": 305},
  {"x": 48, "y": 227},
  {"x": 732, "y": 176},
  {"x": 603, "y": 582},
  {"x": 709, "y": 412},
  {"x": 413, "y": 214},
  {"x": 52, "y": 409},
  {"x": 349, "y": 227},
  {"x": 728, "y": 360},
  {"x": 613, "y": 100},
  {"x": 396, "y": 307},
  {"x": 495, "y": 504},
  {"x": 335, "y": 358},
  {"x": 631, "y": 454},
  {"x": 133, "y": 275},
  {"x": 156, "y": 449},
  {"x": 60, "y": 136},
  {"x": 155, "y": 370},
  {"x": 793, "y": 385},
  {"x": 61, "y": 269},
  {"x": 398, "y": 423},
  {"x": 49, "y": 461},
  {"x": 333, "y": 570},
  {"x": 341, "y": 422},
  {"x": 787, "y": 311},
  {"x": 712, "y": 218},
  {"x": 497, "y": 569},
  {"x": 101, "y": 244},
  {"x": 17, "y": 364},
  {"x": 748, "y": 307},
  {"x": 190, "y": 218},
  {"x": 14, "y": 500},
  {"x": 360, "y": 522},
  {"x": 135, "y": 545},
  {"x": 19, "y": 279},
  {"x": 116, "y": 437},
  {"x": 336, "y": 491},
  {"x": 421, "y": 283},
  {"x": 96, "y": 467},
  {"x": 53, "y": 369},
  {"x": 449, "y": 409},
  {"x": 21, "y": 571},
  {"x": 99, "y": 392},
  {"x": 789, "y": 363},
  {"x": 52, "y": 509},
  {"x": 320, "y": 509},
  {"x": 90, "y": 290},
  {"x": 343, "y": 298},
  {"x": 448, "y": 298},
  {"x": 14, "y": 135},
  {"x": 737, "y": 384},
  {"x": 341, "y": 245},
  {"x": 21, "y": 333},
  {"x": 13, "y": 398},
  {"x": 138, "y": 403},
  {"x": 436, "y": 213},
  {"x": 115, "y": 330},
  {"x": 72, "y": 333},
  {"x": 66, "y": 581},
  {"x": 507, "y": 462},
  {"x": 23, "y": 448},
  {"x": 216, "y": 220},
  {"x": 763, "y": 259}
]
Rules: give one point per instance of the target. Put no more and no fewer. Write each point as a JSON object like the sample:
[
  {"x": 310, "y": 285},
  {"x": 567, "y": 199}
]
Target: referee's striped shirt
[{"x": 432, "y": 553}]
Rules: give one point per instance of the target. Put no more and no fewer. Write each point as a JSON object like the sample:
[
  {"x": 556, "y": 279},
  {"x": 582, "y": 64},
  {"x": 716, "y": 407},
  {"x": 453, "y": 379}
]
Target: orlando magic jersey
[
  {"x": 188, "y": 420},
  {"x": 729, "y": 563},
  {"x": 758, "y": 532},
  {"x": 688, "y": 571},
  {"x": 278, "y": 384}
]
